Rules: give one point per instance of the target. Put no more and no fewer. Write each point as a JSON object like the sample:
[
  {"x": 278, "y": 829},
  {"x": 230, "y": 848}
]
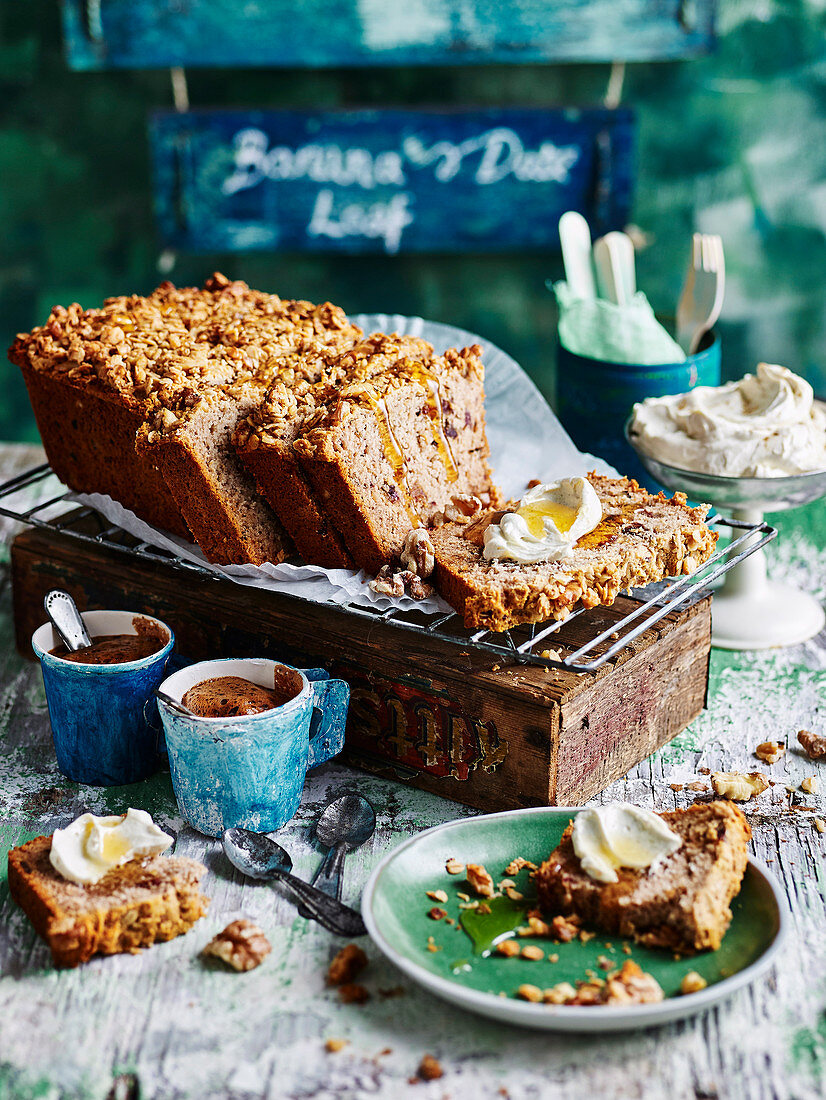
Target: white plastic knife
[
  {"x": 614, "y": 263},
  {"x": 575, "y": 238}
]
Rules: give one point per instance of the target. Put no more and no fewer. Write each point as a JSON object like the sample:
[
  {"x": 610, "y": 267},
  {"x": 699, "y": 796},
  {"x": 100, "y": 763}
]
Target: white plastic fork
[{"x": 703, "y": 291}]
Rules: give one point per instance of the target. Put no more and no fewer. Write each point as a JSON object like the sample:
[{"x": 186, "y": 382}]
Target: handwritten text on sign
[{"x": 387, "y": 181}]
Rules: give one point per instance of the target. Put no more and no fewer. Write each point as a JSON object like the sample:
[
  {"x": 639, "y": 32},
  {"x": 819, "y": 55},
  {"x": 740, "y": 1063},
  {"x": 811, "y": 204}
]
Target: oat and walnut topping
[{"x": 242, "y": 945}]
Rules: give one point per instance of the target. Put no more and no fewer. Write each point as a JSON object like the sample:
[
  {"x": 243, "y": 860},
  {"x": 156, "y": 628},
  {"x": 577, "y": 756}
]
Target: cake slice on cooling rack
[
  {"x": 393, "y": 449},
  {"x": 639, "y": 539},
  {"x": 264, "y": 441}
]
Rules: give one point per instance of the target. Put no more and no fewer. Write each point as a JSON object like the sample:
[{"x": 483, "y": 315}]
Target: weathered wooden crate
[{"x": 423, "y": 711}]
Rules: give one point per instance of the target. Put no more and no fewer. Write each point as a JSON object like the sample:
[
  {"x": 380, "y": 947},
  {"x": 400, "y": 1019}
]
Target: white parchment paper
[{"x": 526, "y": 441}]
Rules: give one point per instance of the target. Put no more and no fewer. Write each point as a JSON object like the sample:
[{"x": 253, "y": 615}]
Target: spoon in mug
[
  {"x": 259, "y": 856},
  {"x": 66, "y": 619},
  {"x": 174, "y": 705}
]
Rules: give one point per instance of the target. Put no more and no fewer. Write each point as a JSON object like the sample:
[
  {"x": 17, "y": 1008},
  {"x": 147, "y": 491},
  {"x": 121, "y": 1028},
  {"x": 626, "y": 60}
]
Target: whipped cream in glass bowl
[
  {"x": 753, "y": 446},
  {"x": 767, "y": 424}
]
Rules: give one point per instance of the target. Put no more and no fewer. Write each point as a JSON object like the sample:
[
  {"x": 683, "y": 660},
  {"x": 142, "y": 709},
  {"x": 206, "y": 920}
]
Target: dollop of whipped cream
[
  {"x": 606, "y": 838},
  {"x": 85, "y": 850},
  {"x": 547, "y": 523},
  {"x": 766, "y": 425}
]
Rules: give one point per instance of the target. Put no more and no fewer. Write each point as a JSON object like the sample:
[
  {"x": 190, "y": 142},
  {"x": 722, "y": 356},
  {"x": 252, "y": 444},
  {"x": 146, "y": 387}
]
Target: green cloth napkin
[{"x": 598, "y": 329}]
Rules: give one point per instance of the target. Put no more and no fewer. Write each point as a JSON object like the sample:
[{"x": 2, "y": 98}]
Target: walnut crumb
[
  {"x": 454, "y": 867},
  {"x": 430, "y": 1068},
  {"x": 770, "y": 751},
  {"x": 676, "y": 786},
  {"x": 508, "y": 948},
  {"x": 437, "y": 895},
  {"x": 532, "y": 952},
  {"x": 436, "y": 913},
  {"x": 353, "y": 994},
  {"x": 696, "y": 786},
  {"x": 738, "y": 786},
  {"x": 564, "y": 929},
  {"x": 551, "y": 655},
  {"x": 813, "y": 744},
  {"x": 530, "y": 993},
  {"x": 516, "y": 865},
  {"x": 554, "y": 958},
  {"x": 809, "y": 784},
  {"x": 333, "y": 1046},
  {"x": 692, "y": 982},
  {"x": 349, "y": 962},
  {"x": 513, "y": 893},
  {"x": 242, "y": 945},
  {"x": 480, "y": 880},
  {"x": 819, "y": 824}
]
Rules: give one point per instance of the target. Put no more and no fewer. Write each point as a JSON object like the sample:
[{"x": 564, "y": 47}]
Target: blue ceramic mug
[
  {"x": 595, "y": 398},
  {"x": 249, "y": 770},
  {"x": 105, "y": 723}
]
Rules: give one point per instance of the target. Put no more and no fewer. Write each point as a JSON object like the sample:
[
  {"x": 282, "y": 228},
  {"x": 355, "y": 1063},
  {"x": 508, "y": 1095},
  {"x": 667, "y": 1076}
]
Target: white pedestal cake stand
[{"x": 749, "y": 611}]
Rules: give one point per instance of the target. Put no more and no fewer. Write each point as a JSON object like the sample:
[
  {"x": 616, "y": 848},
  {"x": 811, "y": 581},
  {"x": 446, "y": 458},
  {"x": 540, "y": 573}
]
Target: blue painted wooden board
[
  {"x": 387, "y": 181},
  {"x": 147, "y": 34}
]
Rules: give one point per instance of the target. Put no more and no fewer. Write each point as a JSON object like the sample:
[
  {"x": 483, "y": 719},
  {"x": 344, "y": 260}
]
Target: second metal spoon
[
  {"x": 66, "y": 619},
  {"x": 260, "y": 857}
]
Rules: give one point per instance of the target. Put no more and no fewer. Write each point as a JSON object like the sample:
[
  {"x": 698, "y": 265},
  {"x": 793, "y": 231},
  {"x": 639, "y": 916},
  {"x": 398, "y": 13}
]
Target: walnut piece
[
  {"x": 418, "y": 554},
  {"x": 564, "y": 929},
  {"x": 532, "y": 952},
  {"x": 349, "y": 962},
  {"x": 390, "y": 582},
  {"x": 530, "y": 993},
  {"x": 508, "y": 948},
  {"x": 692, "y": 982},
  {"x": 560, "y": 994},
  {"x": 516, "y": 865},
  {"x": 480, "y": 880},
  {"x": 437, "y": 895},
  {"x": 335, "y": 1045},
  {"x": 738, "y": 786},
  {"x": 454, "y": 867},
  {"x": 814, "y": 745},
  {"x": 809, "y": 784},
  {"x": 430, "y": 1068},
  {"x": 436, "y": 913},
  {"x": 770, "y": 751},
  {"x": 242, "y": 945}
]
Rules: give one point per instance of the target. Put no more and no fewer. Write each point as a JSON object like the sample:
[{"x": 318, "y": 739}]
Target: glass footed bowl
[{"x": 748, "y": 610}]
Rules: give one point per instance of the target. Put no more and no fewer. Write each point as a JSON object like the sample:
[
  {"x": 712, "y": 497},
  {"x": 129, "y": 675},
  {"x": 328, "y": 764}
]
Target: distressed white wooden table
[{"x": 165, "y": 1026}]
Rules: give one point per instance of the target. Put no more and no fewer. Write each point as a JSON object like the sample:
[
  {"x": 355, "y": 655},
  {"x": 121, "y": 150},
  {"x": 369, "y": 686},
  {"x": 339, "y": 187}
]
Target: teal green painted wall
[{"x": 733, "y": 143}]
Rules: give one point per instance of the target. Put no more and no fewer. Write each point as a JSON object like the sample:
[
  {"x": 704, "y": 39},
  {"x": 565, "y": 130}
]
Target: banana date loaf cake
[
  {"x": 682, "y": 904},
  {"x": 137, "y": 904},
  {"x": 393, "y": 449},
  {"x": 641, "y": 538},
  {"x": 264, "y": 441}
]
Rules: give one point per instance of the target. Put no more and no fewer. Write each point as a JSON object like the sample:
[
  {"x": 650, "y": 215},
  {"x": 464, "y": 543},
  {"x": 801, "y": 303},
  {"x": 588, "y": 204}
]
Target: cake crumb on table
[
  {"x": 349, "y": 962},
  {"x": 353, "y": 994},
  {"x": 430, "y": 1068}
]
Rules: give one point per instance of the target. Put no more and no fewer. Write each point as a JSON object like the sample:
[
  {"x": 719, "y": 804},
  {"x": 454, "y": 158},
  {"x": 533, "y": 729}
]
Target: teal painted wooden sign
[
  {"x": 148, "y": 34},
  {"x": 387, "y": 181}
]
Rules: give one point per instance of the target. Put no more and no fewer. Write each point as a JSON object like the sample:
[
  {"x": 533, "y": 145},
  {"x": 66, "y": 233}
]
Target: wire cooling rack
[{"x": 605, "y": 637}]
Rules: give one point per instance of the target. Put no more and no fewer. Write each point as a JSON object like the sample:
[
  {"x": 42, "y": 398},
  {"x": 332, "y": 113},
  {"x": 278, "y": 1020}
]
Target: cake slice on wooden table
[
  {"x": 639, "y": 538},
  {"x": 393, "y": 450},
  {"x": 264, "y": 442},
  {"x": 679, "y": 899},
  {"x": 83, "y": 906}
]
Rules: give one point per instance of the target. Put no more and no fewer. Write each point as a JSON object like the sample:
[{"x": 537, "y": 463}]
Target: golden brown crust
[
  {"x": 681, "y": 905},
  {"x": 641, "y": 538},
  {"x": 141, "y": 903}
]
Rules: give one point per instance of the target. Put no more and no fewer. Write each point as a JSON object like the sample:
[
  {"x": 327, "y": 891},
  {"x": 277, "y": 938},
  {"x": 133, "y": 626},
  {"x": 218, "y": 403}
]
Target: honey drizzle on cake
[
  {"x": 435, "y": 412},
  {"x": 366, "y": 392}
]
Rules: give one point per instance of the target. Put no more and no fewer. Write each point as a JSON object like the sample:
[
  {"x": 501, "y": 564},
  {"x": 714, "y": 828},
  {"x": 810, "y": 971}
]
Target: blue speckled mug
[
  {"x": 104, "y": 719},
  {"x": 249, "y": 770}
]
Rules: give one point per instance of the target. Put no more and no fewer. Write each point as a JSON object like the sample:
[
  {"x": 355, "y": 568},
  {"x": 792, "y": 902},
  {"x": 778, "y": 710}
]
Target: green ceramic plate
[{"x": 395, "y": 907}]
